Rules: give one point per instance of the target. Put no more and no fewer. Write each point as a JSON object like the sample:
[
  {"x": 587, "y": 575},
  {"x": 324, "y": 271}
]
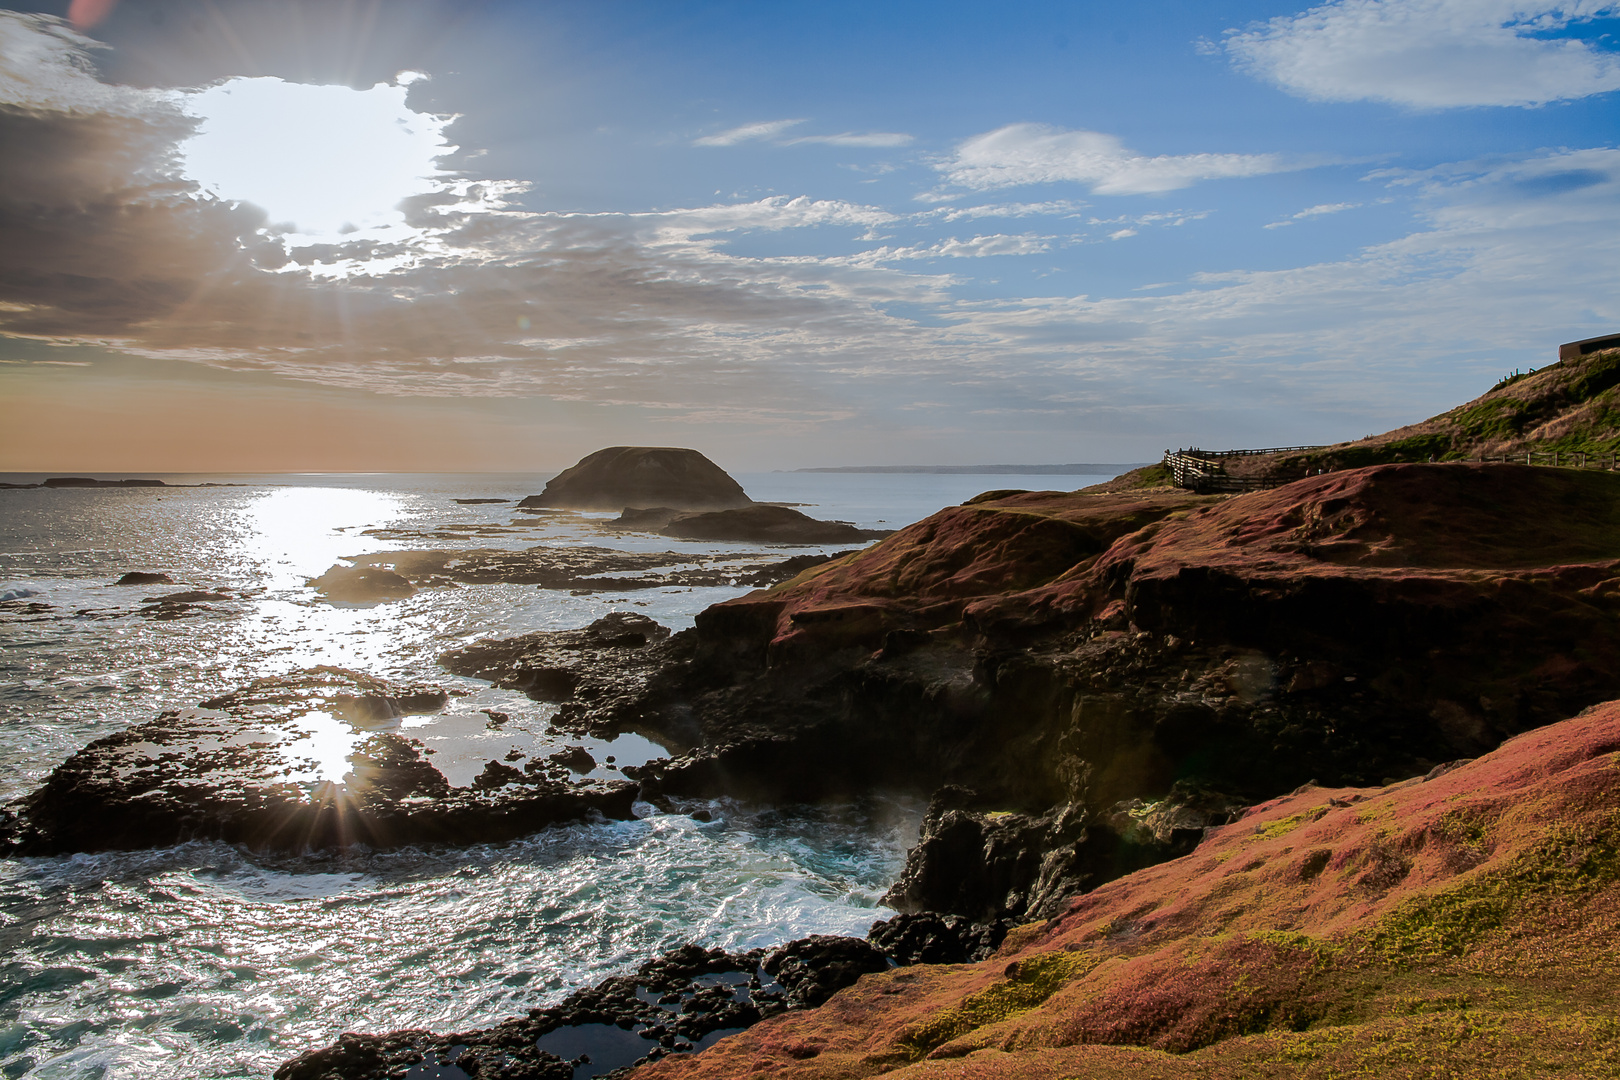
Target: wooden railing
[{"x": 1205, "y": 470}]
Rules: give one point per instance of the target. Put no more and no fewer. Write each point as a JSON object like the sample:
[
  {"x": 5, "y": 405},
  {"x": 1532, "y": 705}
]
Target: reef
[
  {"x": 289, "y": 764},
  {"x": 395, "y": 575}
]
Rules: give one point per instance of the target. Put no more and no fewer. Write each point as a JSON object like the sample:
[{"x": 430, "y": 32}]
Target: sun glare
[{"x": 327, "y": 161}]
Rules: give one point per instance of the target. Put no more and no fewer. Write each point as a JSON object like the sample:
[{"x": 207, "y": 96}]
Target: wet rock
[
  {"x": 683, "y": 1001},
  {"x": 594, "y": 670},
  {"x": 142, "y": 577},
  {"x": 576, "y": 758},
  {"x": 480, "y": 502},
  {"x": 766, "y": 524},
  {"x": 191, "y": 596},
  {"x": 815, "y": 968},
  {"x": 579, "y": 569},
  {"x": 362, "y": 584},
  {"x": 928, "y": 937},
  {"x": 622, "y": 476},
  {"x": 255, "y": 767}
]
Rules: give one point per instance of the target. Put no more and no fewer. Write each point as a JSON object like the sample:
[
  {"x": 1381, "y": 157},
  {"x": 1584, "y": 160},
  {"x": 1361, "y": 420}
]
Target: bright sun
[{"x": 327, "y": 160}]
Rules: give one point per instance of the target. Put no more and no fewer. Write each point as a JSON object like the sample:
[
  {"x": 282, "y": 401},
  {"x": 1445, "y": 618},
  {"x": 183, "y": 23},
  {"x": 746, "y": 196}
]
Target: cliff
[{"x": 1057, "y": 657}]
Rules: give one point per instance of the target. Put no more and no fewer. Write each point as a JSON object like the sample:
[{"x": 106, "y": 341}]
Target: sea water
[{"x": 204, "y": 960}]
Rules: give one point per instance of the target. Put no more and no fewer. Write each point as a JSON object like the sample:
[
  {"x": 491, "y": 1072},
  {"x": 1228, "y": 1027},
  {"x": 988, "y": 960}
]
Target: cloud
[
  {"x": 765, "y": 129},
  {"x": 1508, "y": 262},
  {"x": 1312, "y": 211},
  {"x": 976, "y": 247},
  {"x": 1431, "y": 54},
  {"x": 852, "y": 138},
  {"x": 1038, "y": 154},
  {"x": 770, "y": 130},
  {"x": 1056, "y": 207}
]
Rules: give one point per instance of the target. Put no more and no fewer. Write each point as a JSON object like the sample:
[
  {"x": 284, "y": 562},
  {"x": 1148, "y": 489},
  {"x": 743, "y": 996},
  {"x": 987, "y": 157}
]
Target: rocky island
[{"x": 622, "y": 476}]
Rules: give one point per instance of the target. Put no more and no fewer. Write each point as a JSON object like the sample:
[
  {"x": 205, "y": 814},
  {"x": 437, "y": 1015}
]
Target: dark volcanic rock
[
  {"x": 927, "y": 937},
  {"x": 682, "y": 1001},
  {"x": 581, "y": 568},
  {"x": 141, "y": 577},
  {"x": 622, "y": 476},
  {"x": 765, "y": 524},
  {"x": 1060, "y": 654},
  {"x": 246, "y": 768},
  {"x": 600, "y": 671},
  {"x": 815, "y": 968}
]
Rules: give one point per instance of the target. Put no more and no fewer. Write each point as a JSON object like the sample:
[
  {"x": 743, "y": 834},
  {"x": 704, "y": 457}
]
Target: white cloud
[
  {"x": 1312, "y": 211},
  {"x": 765, "y": 129},
  {"x": 977, "y": 247},
  {"x": 854, "y": 138},
  {"x": 1513, "y": 261},
  {"x": 1038, "y": 154},
  {"x": 772, "y": 130},
  {"x": 1431, "y": 54},
  {"x": 1056, "y": 208}
]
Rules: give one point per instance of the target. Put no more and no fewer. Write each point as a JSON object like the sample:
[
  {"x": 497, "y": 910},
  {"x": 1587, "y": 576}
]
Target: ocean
[{"x": 208, "y": 961}]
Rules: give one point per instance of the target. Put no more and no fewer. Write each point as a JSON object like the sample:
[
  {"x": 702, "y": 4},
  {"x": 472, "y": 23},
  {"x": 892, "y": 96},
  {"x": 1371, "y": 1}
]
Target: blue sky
[{"x": 788, "y": 235}]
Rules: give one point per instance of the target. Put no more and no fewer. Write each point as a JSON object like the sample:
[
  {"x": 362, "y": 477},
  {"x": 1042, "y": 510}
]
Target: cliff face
[
  {"x": 1058, "y": 656},
  {"x": 1463, "y": 925}
]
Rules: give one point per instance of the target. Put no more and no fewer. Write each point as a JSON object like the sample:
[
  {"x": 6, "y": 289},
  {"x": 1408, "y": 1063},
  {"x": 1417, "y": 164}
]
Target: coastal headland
[{"x": 1303, "y": 781}]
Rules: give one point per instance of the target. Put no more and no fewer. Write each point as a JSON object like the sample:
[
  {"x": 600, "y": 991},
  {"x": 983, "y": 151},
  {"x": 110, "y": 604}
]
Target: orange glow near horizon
[{"x": 84, "y": 14}]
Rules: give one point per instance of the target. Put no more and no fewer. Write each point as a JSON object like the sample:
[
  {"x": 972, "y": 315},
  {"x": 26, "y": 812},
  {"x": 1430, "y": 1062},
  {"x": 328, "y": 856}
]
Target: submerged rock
[
  {"x": 622, "y": 476},
  {"x": 290, "y": 763},
  {"x": 362, "y": 584},
  {"x": 143, "y": 577}
]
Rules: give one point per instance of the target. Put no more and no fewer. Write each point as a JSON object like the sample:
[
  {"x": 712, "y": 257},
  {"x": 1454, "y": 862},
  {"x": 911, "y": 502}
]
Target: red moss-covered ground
[{"x": 1459, "y": 926}]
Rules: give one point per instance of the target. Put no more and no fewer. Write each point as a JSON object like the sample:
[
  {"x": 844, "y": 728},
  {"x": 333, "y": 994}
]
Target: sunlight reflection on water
[
  {"x": 294, "y": 534},
  {"x": 200, "y": 961}
]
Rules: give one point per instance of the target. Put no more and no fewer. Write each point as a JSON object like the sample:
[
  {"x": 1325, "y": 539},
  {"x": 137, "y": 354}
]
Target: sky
[{"x": 452, "y": 235}]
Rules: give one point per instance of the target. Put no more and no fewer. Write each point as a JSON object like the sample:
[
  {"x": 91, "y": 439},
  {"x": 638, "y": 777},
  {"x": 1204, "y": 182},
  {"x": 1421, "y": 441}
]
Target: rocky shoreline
[{"x": 1088, "y": 684}]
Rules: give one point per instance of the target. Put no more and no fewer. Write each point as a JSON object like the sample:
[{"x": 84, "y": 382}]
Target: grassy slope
[
  {"x": 1463, "y": 926},
  {"x": 1571, "y": 406}
]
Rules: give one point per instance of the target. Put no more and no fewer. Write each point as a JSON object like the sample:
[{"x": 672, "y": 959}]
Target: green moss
[
  {"x": 1028, "y": 984},
  {"x": 1568, "y": 861},
  {"x": 1499, "y": 418},
  {"x": 1284, "y": 826},
  {"x": 1322, "y": 952}
]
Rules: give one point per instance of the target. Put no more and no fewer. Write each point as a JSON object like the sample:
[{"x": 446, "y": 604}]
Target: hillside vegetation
[
  {"x": 1572, "y": 407},
  {"x": 1459, "y": 926}
]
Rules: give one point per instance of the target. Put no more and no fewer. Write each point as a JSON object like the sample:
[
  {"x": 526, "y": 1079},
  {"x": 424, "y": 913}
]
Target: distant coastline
[{"x": 1080, "y": 469}]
